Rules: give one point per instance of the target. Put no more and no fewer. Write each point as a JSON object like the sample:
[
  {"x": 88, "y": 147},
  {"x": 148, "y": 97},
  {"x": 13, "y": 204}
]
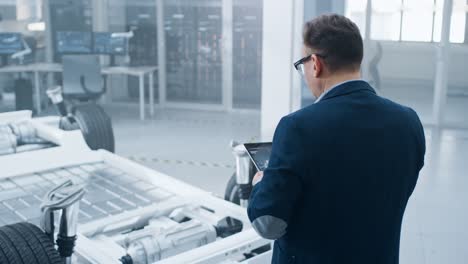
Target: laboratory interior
[{"x": 123, "y": 123}]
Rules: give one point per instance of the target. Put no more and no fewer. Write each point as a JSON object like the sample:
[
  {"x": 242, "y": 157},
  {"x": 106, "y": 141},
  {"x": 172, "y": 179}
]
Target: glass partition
[
  {"x": 193, "y": 31},
  {"x": 247, "y": 53}
]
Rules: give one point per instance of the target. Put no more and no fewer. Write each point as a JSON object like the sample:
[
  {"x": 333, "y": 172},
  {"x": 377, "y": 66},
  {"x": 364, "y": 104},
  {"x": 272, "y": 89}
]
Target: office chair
[{"x": 82, "y": 79}]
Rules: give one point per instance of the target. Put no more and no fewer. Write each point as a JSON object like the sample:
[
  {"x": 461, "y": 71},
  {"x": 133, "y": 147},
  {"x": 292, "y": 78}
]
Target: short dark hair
[{"x": 337, "y": 39}]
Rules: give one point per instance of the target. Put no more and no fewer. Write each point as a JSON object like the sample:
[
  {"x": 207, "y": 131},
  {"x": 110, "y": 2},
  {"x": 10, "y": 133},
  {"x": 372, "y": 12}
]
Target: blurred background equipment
[
  {"x": 193, "y": 35},
  {"x": 70, "y": 26},
  {"x": 247, "y": 53},
  {"x": 112, "y": 44},
  {"x": 140, "y": 18},
  {"x": 73, "y": 42}
]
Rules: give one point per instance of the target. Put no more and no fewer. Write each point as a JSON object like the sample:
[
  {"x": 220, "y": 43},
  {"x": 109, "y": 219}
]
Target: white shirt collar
[{"x": 327, "y": 91}]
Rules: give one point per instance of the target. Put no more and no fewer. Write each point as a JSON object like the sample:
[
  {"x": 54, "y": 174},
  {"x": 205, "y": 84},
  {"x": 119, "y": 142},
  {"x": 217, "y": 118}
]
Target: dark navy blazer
[{"x": 339, "y": 178}]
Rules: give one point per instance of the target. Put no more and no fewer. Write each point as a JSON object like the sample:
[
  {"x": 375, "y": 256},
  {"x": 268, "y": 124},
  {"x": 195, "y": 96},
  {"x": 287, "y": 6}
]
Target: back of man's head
[{"x": 337, "y": 39}]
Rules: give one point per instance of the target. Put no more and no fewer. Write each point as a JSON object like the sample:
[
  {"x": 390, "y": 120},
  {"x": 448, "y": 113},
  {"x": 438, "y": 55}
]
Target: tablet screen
[{"x": 259, "y": 153}]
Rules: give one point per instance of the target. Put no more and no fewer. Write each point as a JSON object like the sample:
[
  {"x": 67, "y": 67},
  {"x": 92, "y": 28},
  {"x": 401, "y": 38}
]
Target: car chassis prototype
[{"x": 128, "y": 213}]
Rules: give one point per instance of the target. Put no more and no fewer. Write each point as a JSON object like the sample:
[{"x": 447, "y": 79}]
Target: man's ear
[{"x": 318, "y": 67}]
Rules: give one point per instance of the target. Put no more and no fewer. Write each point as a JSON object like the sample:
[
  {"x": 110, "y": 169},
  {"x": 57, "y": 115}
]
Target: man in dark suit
[{"x": 341, "y": 170}]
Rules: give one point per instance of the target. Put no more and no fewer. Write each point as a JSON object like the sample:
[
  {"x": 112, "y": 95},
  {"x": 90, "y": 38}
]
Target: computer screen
[
  {"x": 104, "y": 43},
  {"x": 74, "y": 42},
  {"x": 10, "y": 43}
]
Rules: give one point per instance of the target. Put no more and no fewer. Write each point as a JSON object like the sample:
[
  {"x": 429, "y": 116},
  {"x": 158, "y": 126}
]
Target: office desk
[{"x": 138, "y": 71}]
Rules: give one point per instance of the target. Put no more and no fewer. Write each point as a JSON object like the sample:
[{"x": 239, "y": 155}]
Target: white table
[{"x": 138, "y": 71}]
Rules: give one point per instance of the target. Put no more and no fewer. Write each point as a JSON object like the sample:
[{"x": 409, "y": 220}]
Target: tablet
[{"x": 259, "y": 154}]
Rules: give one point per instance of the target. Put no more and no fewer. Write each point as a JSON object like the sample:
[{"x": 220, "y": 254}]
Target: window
[
  {"x": 418, "y": 20},
  {"x": 437, "y": 28},
  {"x": 356, "y": 11},
  {"x": 386, "y": 19},
  {"x": 409, "y": 20},
  {"x": 457, "y": 31}
]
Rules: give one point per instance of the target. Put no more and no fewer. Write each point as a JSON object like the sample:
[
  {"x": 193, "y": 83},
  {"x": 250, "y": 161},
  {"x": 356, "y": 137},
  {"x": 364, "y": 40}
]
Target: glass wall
[
  {"x": 402, "y": 53},
  {"x": 193, "y": 51},
  {"x": 408, "y": 20},
  {"x": 194, "y": 32},
  {"x": 138, "y": 16},
  {"x": 69, "y": 16},
  {"x": 247, "y": 53}
]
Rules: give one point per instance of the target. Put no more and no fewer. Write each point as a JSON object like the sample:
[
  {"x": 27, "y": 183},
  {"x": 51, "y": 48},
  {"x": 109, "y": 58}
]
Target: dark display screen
[
  {"x": 74, "y": 42},
  {"x": 104, "y": 43},
  {"x": 10, "y": 43},
  {"x": 260, "y": 154}
]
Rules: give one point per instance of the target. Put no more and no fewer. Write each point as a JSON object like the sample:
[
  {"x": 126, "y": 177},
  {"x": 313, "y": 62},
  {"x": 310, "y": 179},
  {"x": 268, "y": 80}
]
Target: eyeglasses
[{"x": 299, "y": 65}]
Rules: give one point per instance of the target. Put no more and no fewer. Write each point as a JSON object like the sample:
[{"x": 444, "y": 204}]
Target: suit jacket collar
[{"x": 348, "y": 88}]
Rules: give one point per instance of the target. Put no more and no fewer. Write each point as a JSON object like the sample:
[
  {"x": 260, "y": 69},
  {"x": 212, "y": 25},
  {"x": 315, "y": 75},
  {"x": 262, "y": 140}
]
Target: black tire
[
  {"x": 232, "y": 190},
  {"x": 95, "y": 125},
  {"x": 25, "y": 243}
]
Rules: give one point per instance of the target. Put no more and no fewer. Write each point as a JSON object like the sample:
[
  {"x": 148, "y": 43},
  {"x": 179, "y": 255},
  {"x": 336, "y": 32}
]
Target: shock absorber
[
  {"x": 65, "y": 197},
  {"x": 67, "y": 122},
  {"x": 244, "y": 172},
  {"x": 55, "y": 95}
]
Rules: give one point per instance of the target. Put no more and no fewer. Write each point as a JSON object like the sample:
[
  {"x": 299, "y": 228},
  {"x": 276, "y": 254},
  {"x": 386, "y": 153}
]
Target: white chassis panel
[{"x": 72, "y": 150}]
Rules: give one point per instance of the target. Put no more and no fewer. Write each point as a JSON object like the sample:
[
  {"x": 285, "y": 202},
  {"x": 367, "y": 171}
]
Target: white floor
[
  {"x": 435, "y": 229},
  {"x": 421, "y": 99},
  {"x": 190, "y": 145}
]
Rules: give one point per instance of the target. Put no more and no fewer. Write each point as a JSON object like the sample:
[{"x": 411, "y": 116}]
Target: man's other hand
[{"x": 257, "y": 178}]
